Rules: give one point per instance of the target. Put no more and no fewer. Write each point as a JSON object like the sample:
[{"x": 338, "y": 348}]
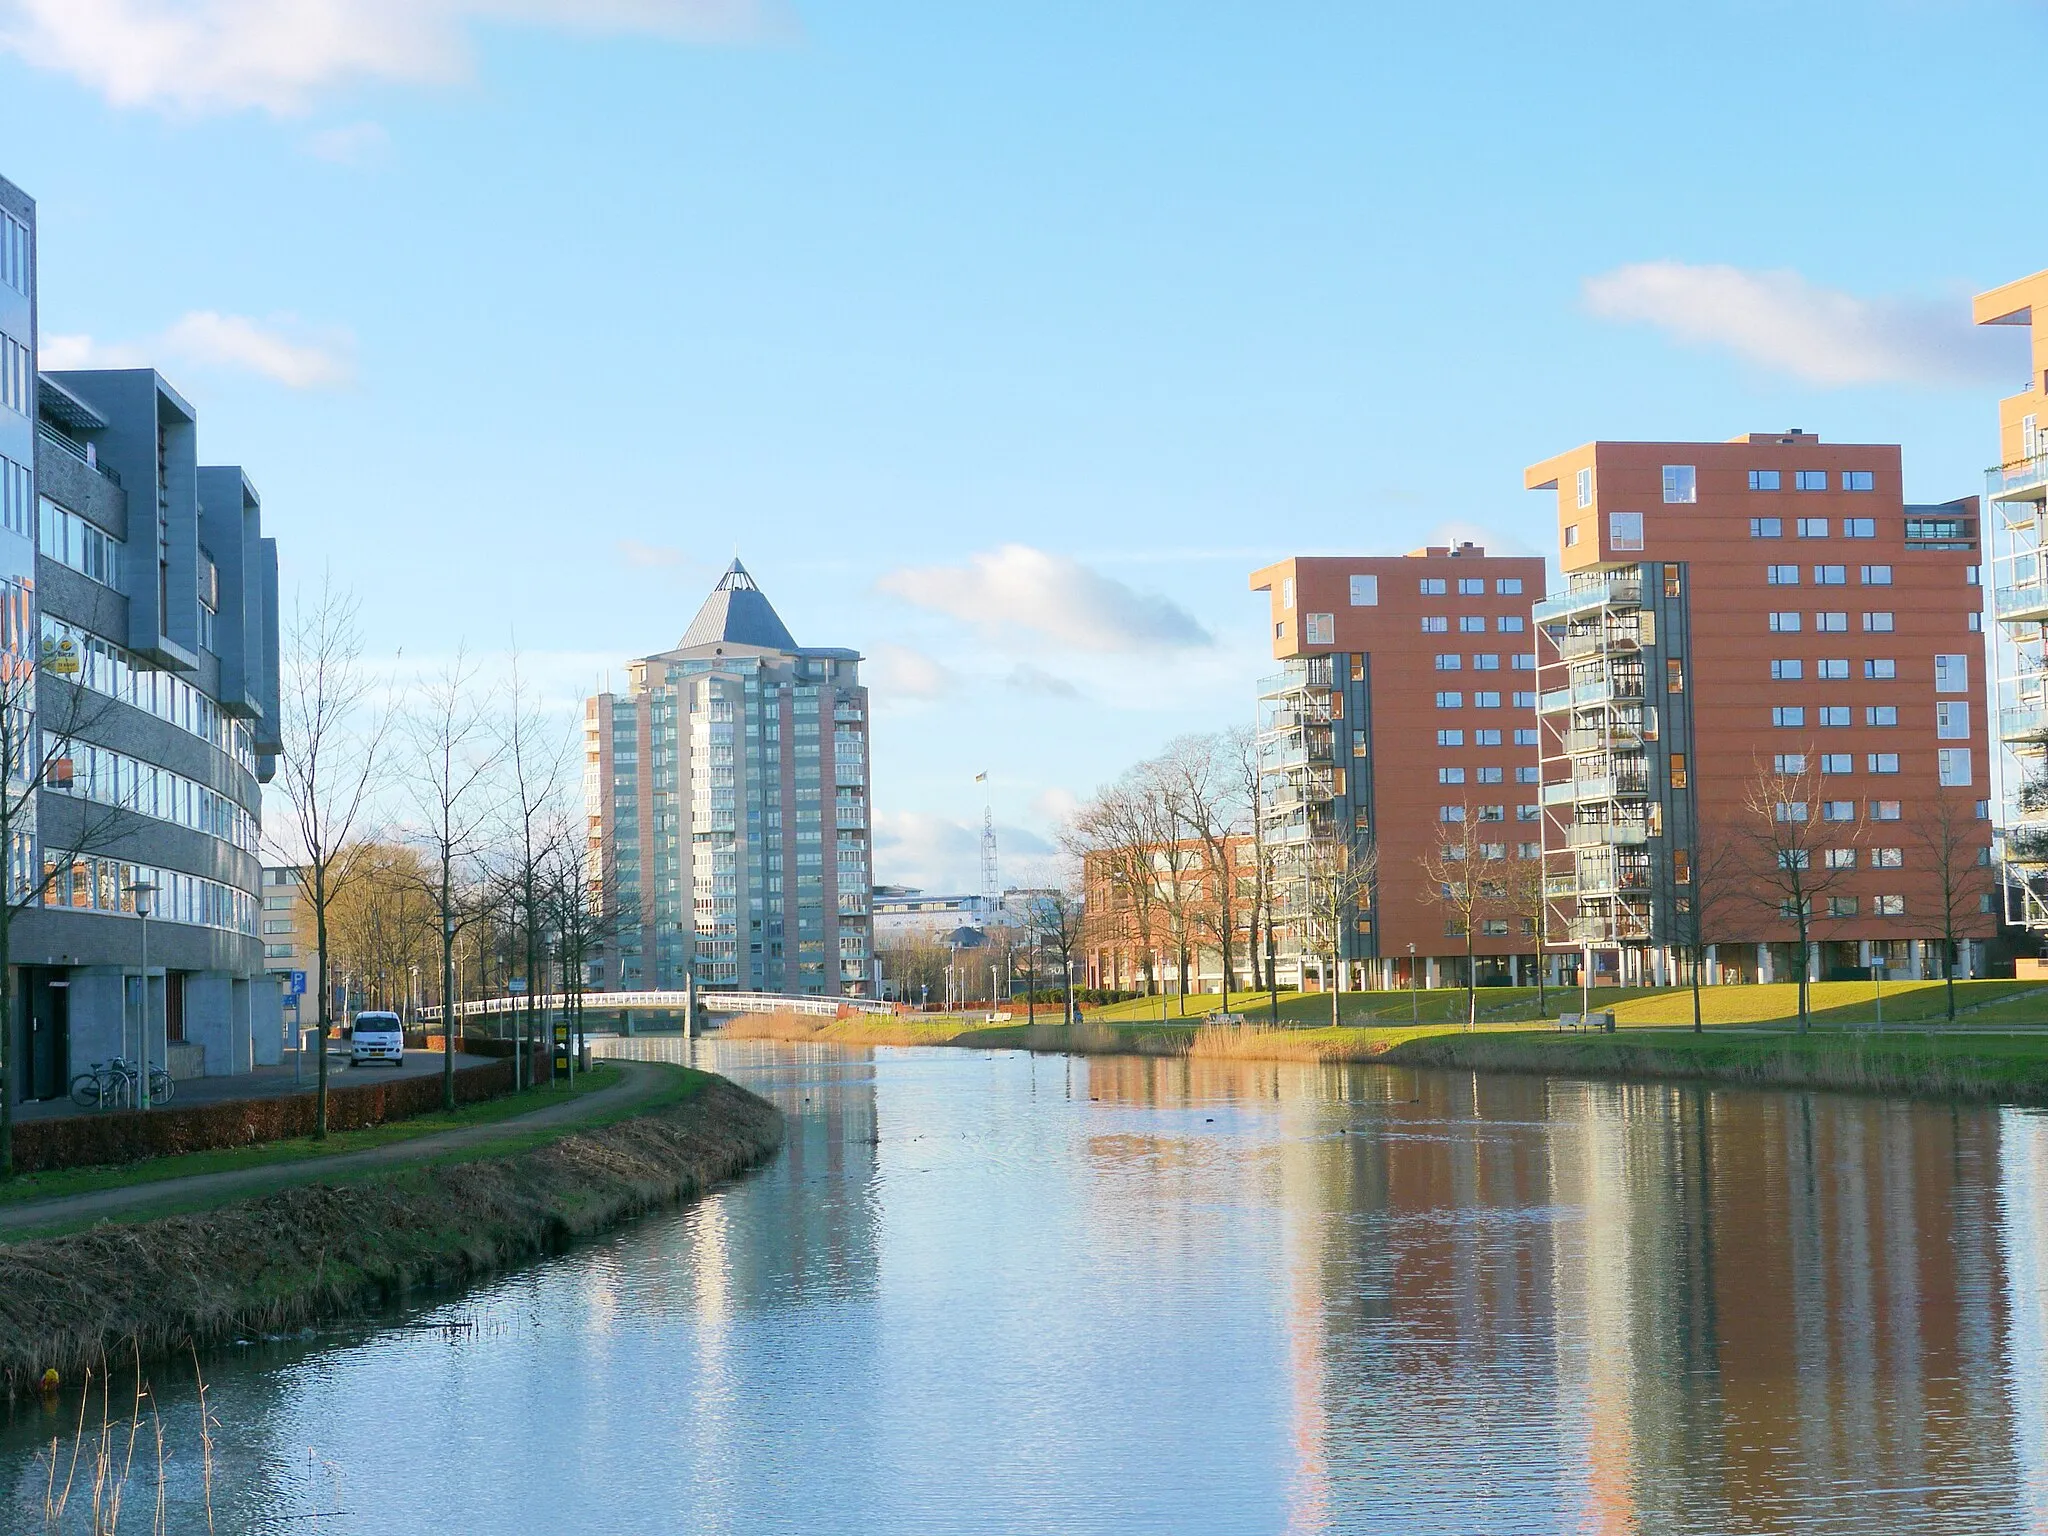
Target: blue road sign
[{"x": 298, "y": 986}]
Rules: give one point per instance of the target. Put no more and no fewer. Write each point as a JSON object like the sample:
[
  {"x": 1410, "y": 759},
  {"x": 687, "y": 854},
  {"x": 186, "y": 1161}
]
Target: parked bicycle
[{"x": 117, "y": 1084}]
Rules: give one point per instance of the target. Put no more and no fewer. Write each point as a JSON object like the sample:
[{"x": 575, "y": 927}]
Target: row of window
[
  {"x": 1452, "y": 661},
  {"x": 1952, "y": 764},
  {"x": 14, "y": 253},
  {"x": 1472, "y": 586},
  {"x": 106, "y": 885},
  {"x": 1836, "y": 762},
  {"x": 62, "y": 535},
  {"x": 1835, "y": 669},
  {"x": 1473, "y": 624},
  {"x": 1791, "y": 622},
  {"x": 17, "y": 497},
  {"x": 85, "y": 659},
  {"x": 1816, "y": 527},
  {"x": 1951, "y": 720},
  {"x": 17, "y": 379},
  {"x": 1456, "y": 738},
  {"x": 1827, "y": 575},
  {"x": 1493, "y": 852},
  {"x": 1528, "y": 773},
  {"x": 1483, "y": 699},
  {"x": 1456, "y": 813},
  {"x": 106, "y": 777}
]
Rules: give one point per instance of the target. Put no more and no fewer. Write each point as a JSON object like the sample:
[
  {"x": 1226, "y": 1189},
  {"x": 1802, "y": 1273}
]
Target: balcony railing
[
  {"x": 1311, "y": 672},
  {"x": 2023, "y": 722},
  {"x": 1621, "y": 737},
  {"x": 64, "y": 444},
  {"x": 2021, "y": 480},
  {"x": 1613, "y": 834},
  {"x": 1623, "y": 589},
  {"x": 2025, "y": 603},
  {"x": 1622, "y": 928}
]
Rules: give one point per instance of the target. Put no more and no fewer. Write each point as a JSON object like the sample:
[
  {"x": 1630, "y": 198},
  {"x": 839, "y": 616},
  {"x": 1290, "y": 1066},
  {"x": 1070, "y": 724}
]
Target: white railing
[{"x": 669, "y": 999}]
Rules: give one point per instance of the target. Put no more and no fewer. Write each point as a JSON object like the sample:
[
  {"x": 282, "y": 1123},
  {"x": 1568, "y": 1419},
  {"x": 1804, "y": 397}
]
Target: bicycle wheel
[
  {"x": 162, "y": 1086},
  {"x": 85, "y": 1090}
]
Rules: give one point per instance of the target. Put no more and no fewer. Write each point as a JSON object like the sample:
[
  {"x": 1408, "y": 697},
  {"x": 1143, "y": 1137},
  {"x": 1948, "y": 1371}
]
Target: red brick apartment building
[
  {"x": 1404, "y": 721},
  {"x": 1763, "y": 655}
]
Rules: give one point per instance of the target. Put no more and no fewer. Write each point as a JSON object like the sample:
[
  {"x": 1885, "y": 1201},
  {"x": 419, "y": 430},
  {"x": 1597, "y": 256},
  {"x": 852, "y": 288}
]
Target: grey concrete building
[
  {"x": 727, "y": 791},
  {"x": 139, "y": 592}
]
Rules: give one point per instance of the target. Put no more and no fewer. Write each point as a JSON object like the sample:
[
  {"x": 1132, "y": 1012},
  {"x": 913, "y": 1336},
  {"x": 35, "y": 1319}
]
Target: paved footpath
[
  {"x": 639, "y": 1085},
  {"x": 275, "y": 1082}
]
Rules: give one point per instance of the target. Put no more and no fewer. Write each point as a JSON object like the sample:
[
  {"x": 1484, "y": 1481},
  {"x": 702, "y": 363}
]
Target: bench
[{"x": 1601, "y": 1020}]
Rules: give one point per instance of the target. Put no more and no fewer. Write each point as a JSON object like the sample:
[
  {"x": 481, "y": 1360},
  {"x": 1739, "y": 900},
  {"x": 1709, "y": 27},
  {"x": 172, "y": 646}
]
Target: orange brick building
[
  {"x": 1179, "y": 917},
  {"x": 1404, "y": 719},
  {"x": 1768, "y": 605}
]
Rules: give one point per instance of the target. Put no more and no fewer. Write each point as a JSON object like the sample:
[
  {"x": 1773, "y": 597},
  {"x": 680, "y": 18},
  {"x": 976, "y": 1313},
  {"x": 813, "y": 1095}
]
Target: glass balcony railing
[
  {"x": 1613, "y": 834},
  {"x": 1622, "y": 589},
  {"x": 2021, "y": 480},
  {"x": 2024, "y": 603},
  {"x": 2023, "y": 722}
]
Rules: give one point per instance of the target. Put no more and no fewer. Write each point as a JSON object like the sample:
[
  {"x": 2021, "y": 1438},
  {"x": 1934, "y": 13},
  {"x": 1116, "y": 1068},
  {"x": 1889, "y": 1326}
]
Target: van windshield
[{"x": 376, "y": 1025}]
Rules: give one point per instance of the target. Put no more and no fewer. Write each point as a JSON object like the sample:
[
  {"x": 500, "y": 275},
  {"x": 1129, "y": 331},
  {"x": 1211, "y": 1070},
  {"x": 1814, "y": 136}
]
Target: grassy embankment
[
  {"x": 1750, "y": 1036},
  {"x": 317, "y": 1250}
]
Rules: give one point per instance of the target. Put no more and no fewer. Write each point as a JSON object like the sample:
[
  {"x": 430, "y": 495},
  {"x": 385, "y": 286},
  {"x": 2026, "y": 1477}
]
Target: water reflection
[{"x": 1005, "y": 1293}]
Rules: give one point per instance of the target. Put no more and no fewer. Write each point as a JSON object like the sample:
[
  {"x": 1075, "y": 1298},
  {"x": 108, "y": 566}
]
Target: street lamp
[
  {"x": 142, "y": 890},
  {"x": 1414, "y": 991}
]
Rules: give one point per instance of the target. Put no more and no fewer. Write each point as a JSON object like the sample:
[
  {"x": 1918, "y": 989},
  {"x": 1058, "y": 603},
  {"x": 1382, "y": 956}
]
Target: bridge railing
[{"x": 669, "y": 999}]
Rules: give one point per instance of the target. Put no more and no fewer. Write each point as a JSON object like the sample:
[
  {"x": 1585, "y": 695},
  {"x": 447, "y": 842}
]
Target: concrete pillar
[
  {"x": 1432, "y": 972},
  {"x": 209, "y": 1022},
  {"x": 96, "y": 1018},
  {"x": 266, "y": 1021}
]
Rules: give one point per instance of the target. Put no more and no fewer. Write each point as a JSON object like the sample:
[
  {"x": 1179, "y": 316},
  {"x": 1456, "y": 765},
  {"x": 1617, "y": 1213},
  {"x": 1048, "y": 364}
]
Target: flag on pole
[{"x": 981, "y": 778}]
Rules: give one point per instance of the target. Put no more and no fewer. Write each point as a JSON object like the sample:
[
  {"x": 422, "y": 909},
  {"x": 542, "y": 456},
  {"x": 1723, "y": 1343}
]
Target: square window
[
  {"x": 1880, "y": 714},
  {"x": 1888, "y": 906},
  {"x": 1435, "y": 624},
  {"x": 1523, "y": 661},
  {"x": 1450, "y": 738},
  {"x": 1877, "y": 575},
  {"x": 1585, "y": 487},
  {"x": 1841, "y": 858},
  {"x": 1471, "y": 624},
  {"x": 1322, "y": 629},
  {"x": 1789, "y": 762},
  {"x": 1881, "y": 669},
  {"x": 1486, "y": 700},
  {"x": 1782, "y": 575},
  {"x": 1831, "y": 623},
  {"x": 1887, "y": 858},
  {"x": 1471, "y": 586},
  {"x": 1951, "y": 674},
  {"x": 1508, "y": 586},
  {"x": 1784, "y": 623},
  {"x": 1450, "y": 775},
  {"x": 1884, "y": 810},
  {"x": 1491, "y": 776},
  {"x": 1813, "y": 527},
  {"x": 1877, "y": 623},
  {"x": 1858, "y": 480},
  {"x": 1763, "y": 480},
  {"x": 1832, "y": 669},
  {"x": 1680, "y": 483},
  {"x": 1810, "y": 479},
  {"x": 1841, "y": 906},
  {"x": 1838, "y": 810},
  {"x": 1486, "y": 738},
  {"x": 1450, "y": 813},
  {"x": 1432, "y": 586},
  {"x": 1525, "y": 738},
  {"x": 1954, "y": 766},
  {"x": 1571, "y": 536},
  {"x": 1485, "y": 663},
  {"x": 1830, "y": 575},
  {"x": 1449, "y": 661},
  {"x": 1834, "y": 714},
  {"x": 1951, "y": 720},
  {"x": 1625, "y": 530},
  {"x": 1881, "y": 762},
  {"x": 1365, "y": 591},
  {"x": 1835, "y": 762},
  {"x": 1511, "y": 624},
  {"x": 1859, "y": 527},
  {"x": 1528, "y": 773},
  {"x": 1450, "y": 701},
  {"x": 1791, "y": 811},
  {"x": 1525, "y": 700},
  {"x": 1766, "y": 528},
  {"x": 1788, "y": 715},
  {"x": 1528, "y": 813},
  {"x": 1787, "y": 670}
]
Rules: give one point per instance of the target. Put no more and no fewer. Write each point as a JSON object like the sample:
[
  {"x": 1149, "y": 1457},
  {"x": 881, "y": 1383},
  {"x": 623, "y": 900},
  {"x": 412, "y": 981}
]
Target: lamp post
[
  {"x": 142, "y": 890},
  {"x": 1414, "y": 991}
]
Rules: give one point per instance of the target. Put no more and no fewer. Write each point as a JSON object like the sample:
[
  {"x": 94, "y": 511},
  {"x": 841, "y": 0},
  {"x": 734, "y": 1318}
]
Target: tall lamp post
[
  {"x": 142, "y": 890},
  {"x": 1414, "y": 991}
]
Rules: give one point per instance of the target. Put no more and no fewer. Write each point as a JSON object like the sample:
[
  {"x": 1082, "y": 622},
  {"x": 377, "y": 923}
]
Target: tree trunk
[
  {"x": 1805, "y": 965},
  {"x": 1949, "y": 957},
  {"x": 326, "y": 1000},
  {"x": 447, "y": 983},
  {"x": 1698, "y": 958},
  {"x": 7, "y": 1035},
  {"x": 1471, "y": 982}
]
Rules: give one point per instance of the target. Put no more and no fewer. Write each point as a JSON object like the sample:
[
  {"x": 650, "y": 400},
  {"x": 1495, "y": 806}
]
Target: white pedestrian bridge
[{"x": 671, "y": 1001}]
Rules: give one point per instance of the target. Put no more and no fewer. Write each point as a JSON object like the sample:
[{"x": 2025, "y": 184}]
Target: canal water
[{"x": 1007, "y": 1294}]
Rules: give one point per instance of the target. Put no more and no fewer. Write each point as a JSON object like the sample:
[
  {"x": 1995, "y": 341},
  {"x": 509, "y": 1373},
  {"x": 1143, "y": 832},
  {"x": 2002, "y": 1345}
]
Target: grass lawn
[{"x": 506, "y": 1111}]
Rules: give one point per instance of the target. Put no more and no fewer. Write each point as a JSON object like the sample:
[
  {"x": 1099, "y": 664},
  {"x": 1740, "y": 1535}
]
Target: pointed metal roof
[{"x": 737, "y": 613}]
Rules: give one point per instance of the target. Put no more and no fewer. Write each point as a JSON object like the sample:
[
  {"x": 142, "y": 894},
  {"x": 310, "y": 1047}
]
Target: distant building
[
  {"x": 138, "y": 585},
  {"x": 1126, "y": 940},
  {"x": 903, "y": 911},
  {"x": 728, "y": 798}
]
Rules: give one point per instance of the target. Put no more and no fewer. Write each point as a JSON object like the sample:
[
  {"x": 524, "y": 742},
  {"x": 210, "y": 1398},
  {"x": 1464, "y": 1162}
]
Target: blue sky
[{"x": 1000, "y": 340}]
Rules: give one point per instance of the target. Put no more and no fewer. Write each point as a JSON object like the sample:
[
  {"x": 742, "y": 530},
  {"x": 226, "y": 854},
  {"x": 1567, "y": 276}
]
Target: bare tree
[
  {"x": 1797, "y": 857},
  {"x": 533, "y": 746},
  {"x": 1203, "y": 792},
  {"x": 1457, "y": 884},
  {"x": 1108, "y": 838},
  {"x": 1528, "y": 903},
  {"x": 1708, "y": 894},
  {"x": 1335, "y": 874},
  {"x": 1251, "y": 791},
  {"x": 449, "y": 774},
  {"x": 1056, "y": 917},
  {"x": 1947, "y": 837},
  {"x": 334, "y": 729}
]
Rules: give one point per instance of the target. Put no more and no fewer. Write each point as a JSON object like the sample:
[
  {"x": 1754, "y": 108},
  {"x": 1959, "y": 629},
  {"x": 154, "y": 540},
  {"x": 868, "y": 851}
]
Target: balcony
[
  {"x": 1298, "y": 751},
  {"x": 1620, "y": 928},
  {"x": 2021, "y": 480},
  {"x": 1607, "y": 834},
  {"x": 2024, "y": 723},
  {"x": 1311, "y": 673},
  {"x": 1601, "y": 873},
  {"x": 2026, "y": 603},
  {"x": 1621, "y": 589},
  {"x": 1622, "y": 736}
]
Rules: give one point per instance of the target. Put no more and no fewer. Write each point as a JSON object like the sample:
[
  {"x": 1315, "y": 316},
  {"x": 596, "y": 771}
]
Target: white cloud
[
  {"x": 651, "y": 556},
  {"x": 1781, "y": 321},
  {"x": 899, "y": 672},
  {"x": 207, "y": 339},
  {"x": 350, "y": 144},
  {"x": 1020, "y": 589},
  {"x": 1039, "y": 683},
  {"x": 937, "y": 853},
  {"x": 197, "y": 56}
]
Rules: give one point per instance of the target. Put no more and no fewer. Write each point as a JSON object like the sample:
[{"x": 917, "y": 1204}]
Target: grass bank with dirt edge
[
  {"x": 1918, "y": 1062},
  {"x": 283, "y": 1260}
]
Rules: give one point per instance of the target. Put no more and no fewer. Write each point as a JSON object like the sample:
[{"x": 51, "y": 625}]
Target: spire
[{"x": 737, "y": 613}]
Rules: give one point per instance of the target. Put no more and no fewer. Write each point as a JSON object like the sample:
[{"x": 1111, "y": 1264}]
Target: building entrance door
[{"x": 45, "y": 1053}]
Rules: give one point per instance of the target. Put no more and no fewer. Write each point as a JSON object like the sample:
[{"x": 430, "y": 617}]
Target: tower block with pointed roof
[{"x": 730, "y": 842}]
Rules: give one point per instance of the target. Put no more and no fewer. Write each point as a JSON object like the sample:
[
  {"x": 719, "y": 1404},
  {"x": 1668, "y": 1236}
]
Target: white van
[{"x": 377, "y": 1037}]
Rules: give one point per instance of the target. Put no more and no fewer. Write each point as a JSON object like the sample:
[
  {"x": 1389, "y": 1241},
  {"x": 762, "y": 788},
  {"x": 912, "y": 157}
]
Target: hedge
[{"x": 129, "y": 1135}]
